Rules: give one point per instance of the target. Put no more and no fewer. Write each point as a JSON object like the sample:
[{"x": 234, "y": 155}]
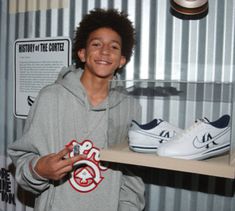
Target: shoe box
[{"x": 203, "y": 111}]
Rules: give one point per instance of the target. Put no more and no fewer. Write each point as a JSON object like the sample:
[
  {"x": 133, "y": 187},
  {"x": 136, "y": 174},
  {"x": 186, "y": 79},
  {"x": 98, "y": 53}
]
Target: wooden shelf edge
[{"x": 218, "y": 166}]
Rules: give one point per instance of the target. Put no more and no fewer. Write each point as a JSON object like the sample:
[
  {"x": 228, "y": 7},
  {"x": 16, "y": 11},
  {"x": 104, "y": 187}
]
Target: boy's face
[{"x": 102, "y": 55}]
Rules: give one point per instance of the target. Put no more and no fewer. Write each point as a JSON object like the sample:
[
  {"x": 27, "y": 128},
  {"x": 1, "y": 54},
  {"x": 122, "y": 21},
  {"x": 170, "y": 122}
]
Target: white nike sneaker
[
  {"x": 148, "y": 137},
  {"x": 202, "y": 140}
]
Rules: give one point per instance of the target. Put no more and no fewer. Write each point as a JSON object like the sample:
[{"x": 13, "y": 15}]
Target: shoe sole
[
  {"x": 143, "y": 149},
  {"x": 206, "y": 154}
]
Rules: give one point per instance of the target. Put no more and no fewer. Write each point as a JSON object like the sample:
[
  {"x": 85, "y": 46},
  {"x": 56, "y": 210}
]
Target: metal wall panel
[{"x": 167, "y": 48}]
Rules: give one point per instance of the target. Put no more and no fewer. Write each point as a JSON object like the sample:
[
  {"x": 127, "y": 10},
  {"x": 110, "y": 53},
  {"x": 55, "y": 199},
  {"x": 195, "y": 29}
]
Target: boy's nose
[{"x": 105, "y": 50}]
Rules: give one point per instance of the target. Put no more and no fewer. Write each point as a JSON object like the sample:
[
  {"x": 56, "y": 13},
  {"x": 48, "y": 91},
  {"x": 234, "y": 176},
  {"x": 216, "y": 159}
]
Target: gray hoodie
[{"x": 60, "y": 114}]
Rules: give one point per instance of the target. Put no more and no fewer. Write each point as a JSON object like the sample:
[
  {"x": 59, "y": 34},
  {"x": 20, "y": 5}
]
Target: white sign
[
  {"x": 7, "y": 187},
  {"x": 37, "y": 63},
  {"x": 12, "y": 197}
]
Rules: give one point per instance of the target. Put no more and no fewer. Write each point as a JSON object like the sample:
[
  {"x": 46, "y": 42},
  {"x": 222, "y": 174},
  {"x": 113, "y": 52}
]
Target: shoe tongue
[
  {"x": 159, "y": 121},
  {"x": 205, "y": 120}
]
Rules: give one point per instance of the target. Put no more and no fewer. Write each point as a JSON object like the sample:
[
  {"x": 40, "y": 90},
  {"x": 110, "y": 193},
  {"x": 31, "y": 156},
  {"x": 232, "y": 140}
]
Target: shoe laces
[{"x": 189, "y": 129}]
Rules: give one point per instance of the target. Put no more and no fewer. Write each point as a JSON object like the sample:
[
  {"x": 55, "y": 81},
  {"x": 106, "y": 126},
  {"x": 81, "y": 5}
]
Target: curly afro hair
[{"x": 99, "y": 18}]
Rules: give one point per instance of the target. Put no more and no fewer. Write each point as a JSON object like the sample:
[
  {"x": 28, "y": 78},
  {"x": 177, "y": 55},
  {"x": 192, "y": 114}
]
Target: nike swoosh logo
[{"x": 197, "y": 143}]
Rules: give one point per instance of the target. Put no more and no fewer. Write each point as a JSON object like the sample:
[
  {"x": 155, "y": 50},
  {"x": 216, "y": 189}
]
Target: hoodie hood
[{"x": 69, "y": 78}]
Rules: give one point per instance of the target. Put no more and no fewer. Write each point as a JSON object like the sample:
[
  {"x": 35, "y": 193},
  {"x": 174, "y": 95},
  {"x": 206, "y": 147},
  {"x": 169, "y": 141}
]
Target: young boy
[{"x": 57, "y": 158}]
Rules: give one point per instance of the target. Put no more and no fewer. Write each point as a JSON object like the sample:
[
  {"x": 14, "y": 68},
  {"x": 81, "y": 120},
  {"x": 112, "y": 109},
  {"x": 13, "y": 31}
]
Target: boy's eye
[
  {"x": 116, "y": 47},
  {"x": 95, "y": 44},
  {"x": 111, "y": 46}
]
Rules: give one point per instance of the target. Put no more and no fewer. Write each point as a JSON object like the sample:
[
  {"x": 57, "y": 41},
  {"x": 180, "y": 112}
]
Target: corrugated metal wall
[{"x": 167, "y": 48}]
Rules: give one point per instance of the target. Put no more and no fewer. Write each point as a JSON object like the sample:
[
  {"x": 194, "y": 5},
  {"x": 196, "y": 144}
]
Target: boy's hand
[{"x": 56, "y": 166}]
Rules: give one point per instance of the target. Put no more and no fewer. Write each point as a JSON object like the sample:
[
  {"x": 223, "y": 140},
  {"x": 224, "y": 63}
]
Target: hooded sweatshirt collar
[{"x": 69, "y": 78}]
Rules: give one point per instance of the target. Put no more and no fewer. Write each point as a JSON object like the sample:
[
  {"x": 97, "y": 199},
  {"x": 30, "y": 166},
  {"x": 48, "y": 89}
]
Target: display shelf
[{"x": 217, "y": 166}]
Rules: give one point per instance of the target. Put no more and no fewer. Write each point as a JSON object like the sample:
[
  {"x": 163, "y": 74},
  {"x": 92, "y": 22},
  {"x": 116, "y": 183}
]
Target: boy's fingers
[
  {"x": 74, "y": 159},
  {"x": 69, "y": 160},
  {"x": 78, "y": 157},
  {"x": 62, "y": 153}
]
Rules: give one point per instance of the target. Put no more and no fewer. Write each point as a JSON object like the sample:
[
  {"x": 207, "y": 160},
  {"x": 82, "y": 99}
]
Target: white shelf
[{"x": 218, "y": 166}]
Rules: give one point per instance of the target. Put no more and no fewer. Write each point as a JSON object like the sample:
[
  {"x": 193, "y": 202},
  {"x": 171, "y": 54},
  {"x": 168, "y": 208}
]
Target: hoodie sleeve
[
  {"x": 132, "y": 192},
  {"x": 34, "y": 143}
]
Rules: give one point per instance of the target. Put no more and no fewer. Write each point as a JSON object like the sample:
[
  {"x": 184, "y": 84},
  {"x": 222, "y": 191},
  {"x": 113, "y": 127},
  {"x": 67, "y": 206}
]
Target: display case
[{"x": 180, "y": 104}]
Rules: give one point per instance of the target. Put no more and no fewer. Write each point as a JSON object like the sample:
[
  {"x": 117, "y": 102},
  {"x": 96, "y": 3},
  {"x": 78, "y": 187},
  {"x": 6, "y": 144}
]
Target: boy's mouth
[{"x": 103, "y": 62}]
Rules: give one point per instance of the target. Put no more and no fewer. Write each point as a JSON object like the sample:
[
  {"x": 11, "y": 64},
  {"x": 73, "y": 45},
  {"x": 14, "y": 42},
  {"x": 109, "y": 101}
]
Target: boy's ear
[
  {"x": 81, "y": 54},
  {"x": 122, "y": 61}
]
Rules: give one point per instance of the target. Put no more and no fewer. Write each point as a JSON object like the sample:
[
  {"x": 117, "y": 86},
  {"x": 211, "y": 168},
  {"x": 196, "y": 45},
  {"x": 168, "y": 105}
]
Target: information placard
[{"x": 37, "y": 63}]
